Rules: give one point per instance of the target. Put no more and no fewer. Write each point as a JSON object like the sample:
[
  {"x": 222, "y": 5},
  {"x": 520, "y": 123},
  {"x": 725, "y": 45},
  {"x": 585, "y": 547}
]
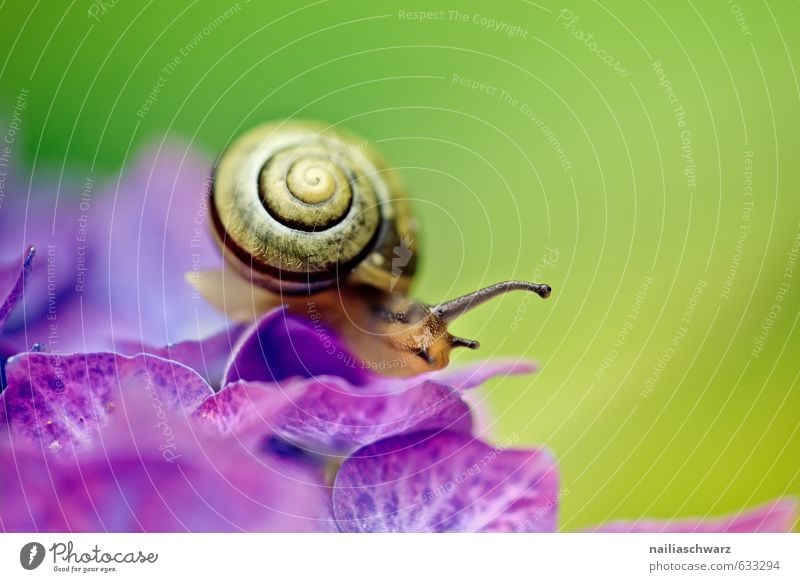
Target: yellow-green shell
[{"x": 299, "y": 206}]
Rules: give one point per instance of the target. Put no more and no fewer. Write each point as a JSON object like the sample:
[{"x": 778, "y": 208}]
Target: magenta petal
[
  {"x": 328, "y": 416},
  {"x": 150, "y": 469},
  {"x": 282, "y": 345},
  {"x": 208, "y": 357},
  {"x": 154, "y": 472},
  {"x": 207, "y": 489},
  {"x": 66, "y": 401},
  {"x": 12, "y": 285},
  {"x": 246, "y": 409},
  {"x": 776, "y": 516},
  {"x": 445, "y": 482},
  {"x": 332, "y": 413}
]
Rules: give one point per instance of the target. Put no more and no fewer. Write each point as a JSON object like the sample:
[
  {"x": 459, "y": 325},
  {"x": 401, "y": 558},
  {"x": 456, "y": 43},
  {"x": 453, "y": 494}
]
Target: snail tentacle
[{"x": 454, "y": 308}]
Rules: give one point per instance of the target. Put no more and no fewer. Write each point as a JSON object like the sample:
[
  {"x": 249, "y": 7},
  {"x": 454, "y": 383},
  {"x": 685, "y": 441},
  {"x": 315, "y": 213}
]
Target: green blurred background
[{"x": 560, "y": 166}]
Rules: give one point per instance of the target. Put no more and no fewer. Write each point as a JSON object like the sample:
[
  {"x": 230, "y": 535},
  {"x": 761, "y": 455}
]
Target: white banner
[{"x": 400, "y": 557}]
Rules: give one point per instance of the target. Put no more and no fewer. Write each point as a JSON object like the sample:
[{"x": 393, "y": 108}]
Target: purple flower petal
[
  {"x": 778, "y": 516},
  {"x": 149, "y": 468},
  {"x": 282, "y": 345},
  {"x": 207, "y": 489},
  {"x": 326, "y": 415},
  {"x": 12, "y": 284},
  {"x": 68, "y": 401},
  {"x": 208, "y": 357},
  {"x": 330, "y": 412},
  {"x": 149, "y": 478},
  {"x": 445, "y": 482}
]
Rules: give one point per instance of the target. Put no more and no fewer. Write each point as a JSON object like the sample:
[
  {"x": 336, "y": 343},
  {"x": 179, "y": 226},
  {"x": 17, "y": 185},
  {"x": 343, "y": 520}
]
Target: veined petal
[
  {"x": 326, "y": 415},
  {"x": 154, "y": 473},
  {"x": 208, "y": 357},
  {"x": 148, "y": 467},
  {"x": 67, "y": 401},
  {"x": 443, "y": 481}
]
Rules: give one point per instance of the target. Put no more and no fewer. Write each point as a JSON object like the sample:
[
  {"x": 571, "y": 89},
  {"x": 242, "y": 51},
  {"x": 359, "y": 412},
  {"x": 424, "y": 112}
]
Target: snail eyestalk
[
  {"x": 451, "y": 310},
  {"x": 460, "y": 342}
]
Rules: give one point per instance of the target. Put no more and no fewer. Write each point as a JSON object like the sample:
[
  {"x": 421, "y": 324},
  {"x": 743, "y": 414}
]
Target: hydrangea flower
[{"x": 276, "y": 427}]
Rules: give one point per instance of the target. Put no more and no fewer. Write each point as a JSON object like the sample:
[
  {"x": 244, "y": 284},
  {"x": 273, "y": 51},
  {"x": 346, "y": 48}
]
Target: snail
[{"x": 313, "y": 218}]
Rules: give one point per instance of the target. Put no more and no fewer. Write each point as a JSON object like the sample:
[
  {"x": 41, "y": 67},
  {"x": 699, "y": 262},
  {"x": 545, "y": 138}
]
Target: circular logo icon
[{"x": 31, "y": 555}]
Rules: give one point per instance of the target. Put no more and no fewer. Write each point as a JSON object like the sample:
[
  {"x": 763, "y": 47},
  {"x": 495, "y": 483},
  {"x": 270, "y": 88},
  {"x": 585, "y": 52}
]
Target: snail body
[{"x": 313, "y": 218}]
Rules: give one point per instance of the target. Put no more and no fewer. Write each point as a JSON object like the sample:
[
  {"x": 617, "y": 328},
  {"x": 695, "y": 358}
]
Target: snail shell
[
  {"x": 298, "y": 206},
  {"x": 300, "y": 209}
]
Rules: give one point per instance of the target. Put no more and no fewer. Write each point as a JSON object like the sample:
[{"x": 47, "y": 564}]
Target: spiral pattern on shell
[
  {"x": 303, "y": 188},
  {"x": 298, "y": 205}
]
